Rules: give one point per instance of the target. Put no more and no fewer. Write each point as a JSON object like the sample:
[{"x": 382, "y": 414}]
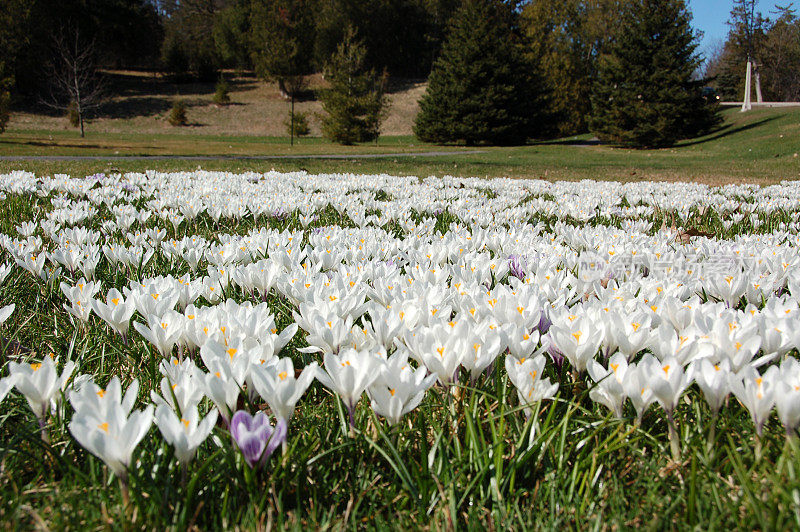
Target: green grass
[
  {"x": 757, "y": 147},
  {"x": 470, "y": 461}
]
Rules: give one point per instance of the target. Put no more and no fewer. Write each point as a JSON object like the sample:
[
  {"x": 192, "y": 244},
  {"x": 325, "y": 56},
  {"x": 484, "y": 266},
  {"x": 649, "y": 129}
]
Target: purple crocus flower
[
  {"x": 556, "y": 355},
  {"x": 517, "y": 265},
  {"x": 255, "y": 437},
  {"x": 544, "y": 322}
]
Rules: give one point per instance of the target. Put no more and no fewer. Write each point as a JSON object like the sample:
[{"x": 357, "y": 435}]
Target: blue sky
[{"x": 711, "y": 17}]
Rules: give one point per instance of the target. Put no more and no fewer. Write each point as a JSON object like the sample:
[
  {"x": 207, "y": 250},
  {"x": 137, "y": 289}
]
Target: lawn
[{"x": 760, "y": 146}]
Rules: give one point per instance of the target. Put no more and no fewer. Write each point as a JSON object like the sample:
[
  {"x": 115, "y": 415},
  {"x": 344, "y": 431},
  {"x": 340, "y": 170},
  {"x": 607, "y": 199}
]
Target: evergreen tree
[
  {"x": 565, "y": 37},
  {"x": 282, "y": 36},
  {"x": 481, "y": 87},
  {"x": 355, "y": 104},
  {"x": 645, "y": 94}
]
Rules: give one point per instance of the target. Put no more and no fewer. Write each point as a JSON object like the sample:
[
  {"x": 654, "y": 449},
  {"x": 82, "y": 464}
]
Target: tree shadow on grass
[
  {"x": 716, "y": 134},
  {"x": 51, "y": 144},
  {"x": 134, "y": 107},
  {"x": 569, "y": 142},
  {"x": 147, "y": 107},
  {"x": 126, "y": 85},
  {"x": 725, "y": 131}
]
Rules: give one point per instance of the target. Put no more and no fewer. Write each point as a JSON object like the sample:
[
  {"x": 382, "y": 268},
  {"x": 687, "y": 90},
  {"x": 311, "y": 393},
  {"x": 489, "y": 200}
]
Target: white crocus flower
[
  {"x": 186, "y": 433},
  {"x": 91, "y": 399},
  {"x": 182, "y": 392},
  {"x": 713, "y": 380},
  {"x": 221, "y": 387},
  {"x": 630, "y": 333},
  {"x": 609, "y": 390},
  {"x": 108, "y": 432},
  {"x": 6, "y": 312},
  {"x": 578, "y": 339},
  {"x": 80, "y": 297},
  {"x": 726, "y": 287},
  {"x": 668, "y": 381},
  {"x": 637, "y": 389},
  {"x": 162, "y": 331},
  {"x": 328, "y": 333},
  {"x": 235, "y": 354},
  {"x": 278, "y": 385},
  {"x": 349, "y": 374},
  {"x": 399, "y": 389},
  {"x": 484, "y": 344},
  {"x": 40, "y": 383},
  {"x": 756, "y": 392},
  {"x": 521, "y": 342},
  {"x": 6, "y": 385},
  {"x": 384, "y": 326},
  {"x": 441, "y": 348},
  {"x": 527, "y": 377},
  {"x": 116, "y": 312},
  {"x": 787, "y": 395},
  {"x": 5, "y": 269}
]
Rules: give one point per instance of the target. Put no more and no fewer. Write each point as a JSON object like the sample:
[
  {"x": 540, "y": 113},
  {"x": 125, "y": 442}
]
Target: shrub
[
  {"x": 177, "y": 116},
  {"x": 221, "y": 95},
  {"x": 72, "y": 114},
  {"x": 301, "y": 126}
]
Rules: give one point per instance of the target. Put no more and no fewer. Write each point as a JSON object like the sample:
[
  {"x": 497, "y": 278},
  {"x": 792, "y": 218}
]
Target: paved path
[
  {"x": 762, "y": 104},
  {"x": 23, "y": 158}
]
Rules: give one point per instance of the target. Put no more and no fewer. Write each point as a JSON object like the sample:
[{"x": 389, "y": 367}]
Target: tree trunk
[
  {"x": 283, "y": 89},
  {"x": 757, "y": 76}
]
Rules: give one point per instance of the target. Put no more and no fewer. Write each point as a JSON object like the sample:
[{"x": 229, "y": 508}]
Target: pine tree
[
  {"x": 481, "y": 88},
  {"x": 355, "y": 104},
  {"x": 645, "y": 95}
]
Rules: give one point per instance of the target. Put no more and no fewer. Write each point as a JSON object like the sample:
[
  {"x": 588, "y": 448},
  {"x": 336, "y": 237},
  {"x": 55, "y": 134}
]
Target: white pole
[{"x": 746, "y": 105}]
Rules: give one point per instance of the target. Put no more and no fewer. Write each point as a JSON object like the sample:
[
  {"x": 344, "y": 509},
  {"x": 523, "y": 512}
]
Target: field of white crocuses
[{"x": 214, "y": 350}]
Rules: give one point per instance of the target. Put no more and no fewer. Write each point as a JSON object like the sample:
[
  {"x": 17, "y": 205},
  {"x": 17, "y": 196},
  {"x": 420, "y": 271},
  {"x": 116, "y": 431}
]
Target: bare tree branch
[{"x": 73, "y": 76}]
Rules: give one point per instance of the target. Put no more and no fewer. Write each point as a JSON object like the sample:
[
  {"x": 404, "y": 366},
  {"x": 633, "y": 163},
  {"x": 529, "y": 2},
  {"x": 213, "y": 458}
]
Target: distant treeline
[{"x": 563, "y": 46}]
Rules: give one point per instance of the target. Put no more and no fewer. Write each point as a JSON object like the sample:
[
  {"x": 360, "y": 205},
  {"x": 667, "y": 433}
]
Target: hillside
[{"x": 143, "y": 101}]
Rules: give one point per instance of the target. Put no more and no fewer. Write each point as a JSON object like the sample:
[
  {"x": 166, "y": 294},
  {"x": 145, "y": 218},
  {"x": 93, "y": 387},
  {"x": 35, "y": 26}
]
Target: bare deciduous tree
[{"x": 74, "y": 80}]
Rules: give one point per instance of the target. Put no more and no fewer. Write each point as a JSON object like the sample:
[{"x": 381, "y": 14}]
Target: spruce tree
[
  {"x": 645, "y": 95},
  {"x": 481, "y": 87},
  {"x": 355, "y": 104}
]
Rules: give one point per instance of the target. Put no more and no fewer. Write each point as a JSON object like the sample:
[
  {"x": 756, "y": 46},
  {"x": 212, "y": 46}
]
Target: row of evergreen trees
[
  {"x": 506, "y": 71},
  {"x": 485, "y": 88}
]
